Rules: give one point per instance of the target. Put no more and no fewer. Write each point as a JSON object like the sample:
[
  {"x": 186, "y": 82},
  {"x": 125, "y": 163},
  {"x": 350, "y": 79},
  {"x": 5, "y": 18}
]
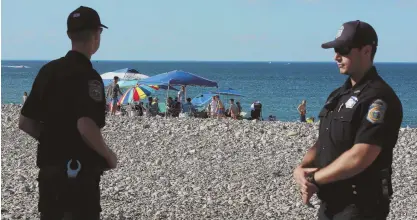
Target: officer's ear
[{"x": 367, "y": 50}]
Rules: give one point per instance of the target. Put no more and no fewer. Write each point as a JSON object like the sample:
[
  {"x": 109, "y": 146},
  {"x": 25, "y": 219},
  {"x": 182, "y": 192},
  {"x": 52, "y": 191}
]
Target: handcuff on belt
[{"x": 73, "y": 173}]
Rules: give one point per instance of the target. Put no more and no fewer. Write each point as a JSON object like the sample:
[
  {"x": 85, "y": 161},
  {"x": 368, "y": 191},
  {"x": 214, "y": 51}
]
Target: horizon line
[{"x": 213, "y": 61}]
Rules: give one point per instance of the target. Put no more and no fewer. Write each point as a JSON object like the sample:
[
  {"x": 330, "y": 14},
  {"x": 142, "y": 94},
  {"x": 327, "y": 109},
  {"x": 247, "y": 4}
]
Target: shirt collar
[
  {"x": 371, "y": 74},
  {"x": 79, "y": 58}
]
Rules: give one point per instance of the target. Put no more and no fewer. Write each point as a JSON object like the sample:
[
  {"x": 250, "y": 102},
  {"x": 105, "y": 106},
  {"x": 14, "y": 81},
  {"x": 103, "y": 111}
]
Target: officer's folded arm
[
  {"x": 349, "y": 164},
  {"x": 30, "y": 126},
  {"x": 308, "y": 159},
  {"x": 91, "y": 134}
]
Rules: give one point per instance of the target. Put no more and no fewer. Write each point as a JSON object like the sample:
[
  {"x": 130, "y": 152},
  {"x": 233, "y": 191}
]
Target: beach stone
[{"x": 186, "y": 168}]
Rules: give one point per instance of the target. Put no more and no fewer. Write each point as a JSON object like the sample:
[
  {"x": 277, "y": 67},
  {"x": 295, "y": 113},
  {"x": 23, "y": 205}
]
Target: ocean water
[{"x": 280, "y": 86}]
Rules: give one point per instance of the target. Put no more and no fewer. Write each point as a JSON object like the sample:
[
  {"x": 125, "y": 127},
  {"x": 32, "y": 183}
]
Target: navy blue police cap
[
  {"x": 353, "y": 34},
  {"x": 84, "y": 18}
]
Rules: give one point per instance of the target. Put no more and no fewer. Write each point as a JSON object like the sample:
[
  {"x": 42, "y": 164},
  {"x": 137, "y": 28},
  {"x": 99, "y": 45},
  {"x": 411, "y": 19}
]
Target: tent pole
[
  {"x": 185, "y": 93},
  {"x": 166, "y": 112}
]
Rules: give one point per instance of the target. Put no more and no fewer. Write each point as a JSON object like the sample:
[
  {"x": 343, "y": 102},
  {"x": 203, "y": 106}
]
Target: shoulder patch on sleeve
[
  {"x": 376, "y": 112},
  {"x": 95, "y": 90}
]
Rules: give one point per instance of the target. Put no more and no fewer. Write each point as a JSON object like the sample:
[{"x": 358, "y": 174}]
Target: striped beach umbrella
[{"x": 135, "y": 94}]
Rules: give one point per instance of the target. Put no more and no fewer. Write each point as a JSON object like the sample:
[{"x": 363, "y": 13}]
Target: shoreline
[
  {"x": 216, "y": 61},
  {"x": 196, "y": 169},
  {"x": 403, "y": 127}
]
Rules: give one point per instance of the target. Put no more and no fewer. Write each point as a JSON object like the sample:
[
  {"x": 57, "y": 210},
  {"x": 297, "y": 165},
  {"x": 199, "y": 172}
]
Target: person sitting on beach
[
  {"x": 239, "y": 107},
  {"x": 154, "y": 110},
  {"x": 140, "y": 109},
  {"x": 233, "y": 109},
  {"x": 302, "y": 111},
  {"x": 169, "y": 106},
  {"x": 147, "y": 107},
  {"x": 25, "y": 96},
  {"x": 176, "y": 107},
  {"x": 310, "y": 120},
  {"x": 188, "y": 108},
  {"x": 272, "y": 118}
]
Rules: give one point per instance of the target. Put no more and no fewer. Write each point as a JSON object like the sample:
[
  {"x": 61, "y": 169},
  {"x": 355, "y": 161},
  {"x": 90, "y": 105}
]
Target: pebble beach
[{"x": 180, "y": 168}]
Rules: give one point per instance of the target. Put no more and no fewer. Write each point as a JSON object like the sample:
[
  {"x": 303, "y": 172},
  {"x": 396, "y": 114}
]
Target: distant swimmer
[{"x": 302, "y": 110}]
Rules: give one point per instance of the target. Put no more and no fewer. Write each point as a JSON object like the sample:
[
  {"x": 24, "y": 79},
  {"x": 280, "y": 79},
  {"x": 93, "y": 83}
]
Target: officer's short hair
[
  {"x": 373, "y": 52},
  {"x": 82, "y": 36}
]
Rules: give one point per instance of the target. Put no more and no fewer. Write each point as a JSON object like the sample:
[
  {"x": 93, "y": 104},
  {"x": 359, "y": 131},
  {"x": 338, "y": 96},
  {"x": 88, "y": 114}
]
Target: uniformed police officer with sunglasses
[
  {"x": 349, "y": 166},
  {"x": 64, "y": 112}
]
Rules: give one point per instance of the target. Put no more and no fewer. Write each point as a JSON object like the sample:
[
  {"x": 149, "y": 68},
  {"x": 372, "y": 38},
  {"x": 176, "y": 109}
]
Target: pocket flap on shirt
[{"x": 344, "y": 115}]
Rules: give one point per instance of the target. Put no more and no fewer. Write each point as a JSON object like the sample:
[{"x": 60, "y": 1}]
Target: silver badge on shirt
[{"x": 351, "y": 102}]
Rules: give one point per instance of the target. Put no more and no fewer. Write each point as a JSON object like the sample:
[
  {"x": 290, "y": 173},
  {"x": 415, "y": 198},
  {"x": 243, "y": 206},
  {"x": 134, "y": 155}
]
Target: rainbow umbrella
[{"x": 135, "y": 94}]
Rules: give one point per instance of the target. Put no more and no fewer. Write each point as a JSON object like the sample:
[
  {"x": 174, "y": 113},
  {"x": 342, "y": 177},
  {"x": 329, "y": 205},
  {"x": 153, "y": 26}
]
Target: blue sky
[{"x": 212, "y": 30}]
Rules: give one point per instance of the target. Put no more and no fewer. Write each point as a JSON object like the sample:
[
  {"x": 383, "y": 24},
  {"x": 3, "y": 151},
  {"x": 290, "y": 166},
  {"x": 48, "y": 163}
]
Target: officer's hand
[
  {"x": 306, "y": 199},
  {"x": 307, "y": 191},
  {"x": 112, "y": 160},
  {"x": 301, "y": 173}
]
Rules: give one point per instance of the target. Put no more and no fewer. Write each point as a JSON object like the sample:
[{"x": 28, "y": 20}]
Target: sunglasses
[{"x": 343, "y": 51}]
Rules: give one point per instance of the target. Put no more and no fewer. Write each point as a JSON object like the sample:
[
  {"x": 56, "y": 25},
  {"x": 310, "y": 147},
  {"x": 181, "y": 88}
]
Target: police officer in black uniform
[
  {"x": 349, "y": 167},
  {"x": 65, "y": 112}
]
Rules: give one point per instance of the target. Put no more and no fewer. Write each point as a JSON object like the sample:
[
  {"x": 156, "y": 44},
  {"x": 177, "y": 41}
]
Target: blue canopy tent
[
  {"x": 229, "y": 92},
  {"x": 201, "y": 100},
  {"x": 178, "y": 77}
]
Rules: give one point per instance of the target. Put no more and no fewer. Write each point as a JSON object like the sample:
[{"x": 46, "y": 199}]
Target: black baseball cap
[
  {"x": 83, "y": 18},
  {"x": 353, "y": 34}
]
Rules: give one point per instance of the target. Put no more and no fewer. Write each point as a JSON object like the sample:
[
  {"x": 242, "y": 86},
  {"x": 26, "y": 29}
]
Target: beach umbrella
[
  {"x": 126, "y": 74},
  {"x": 135, "y": 94},
  {"x": 130, "y": 83}
]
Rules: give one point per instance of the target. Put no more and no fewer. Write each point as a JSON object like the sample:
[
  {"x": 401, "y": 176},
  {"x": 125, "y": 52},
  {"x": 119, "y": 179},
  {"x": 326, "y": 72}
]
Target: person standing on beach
[
  {"x": 113, "y": 91},
  {"x": 181, "y": 95},
  {"x": 25, "y": 96},
  {"x": 213, "y": 106},
  {"x": 350, "y": 165},
  {"x": 302, "y": 110},
  {"x": 219, "y": 108},
  {"x": 72, "y": 154}
]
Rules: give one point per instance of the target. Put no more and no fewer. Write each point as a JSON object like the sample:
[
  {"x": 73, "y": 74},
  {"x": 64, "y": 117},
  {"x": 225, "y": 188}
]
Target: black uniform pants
[
  {"x": 61, "y": 196},
  {"x": 359, "y": 211}
]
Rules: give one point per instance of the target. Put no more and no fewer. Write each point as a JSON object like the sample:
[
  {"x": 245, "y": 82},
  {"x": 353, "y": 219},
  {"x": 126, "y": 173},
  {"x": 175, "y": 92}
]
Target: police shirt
[
  {"x": 65, "y": 90},
  {"x": 369, "y": 112}
]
